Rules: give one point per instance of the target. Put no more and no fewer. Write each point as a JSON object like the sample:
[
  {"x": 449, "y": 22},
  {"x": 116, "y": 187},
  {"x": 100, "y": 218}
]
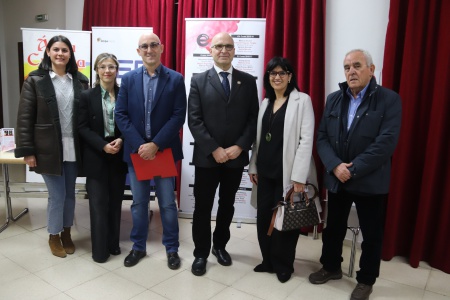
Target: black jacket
[
  {"x": 368, "y": 144},
  {"x": 216, "y": 121},
  {"x": 38, "y": 130}
]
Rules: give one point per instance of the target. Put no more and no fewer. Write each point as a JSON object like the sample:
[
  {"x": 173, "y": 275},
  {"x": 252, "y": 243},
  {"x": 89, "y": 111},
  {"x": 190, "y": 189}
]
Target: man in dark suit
[
  {"x": 222, "y": 119},
  {"x": 150, "y": 111},
  {"x": 357, "y": 136}
]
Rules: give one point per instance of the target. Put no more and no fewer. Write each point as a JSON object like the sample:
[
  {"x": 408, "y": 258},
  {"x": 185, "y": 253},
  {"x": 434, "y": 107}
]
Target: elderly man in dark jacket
[{"x": 357, "y": 136}]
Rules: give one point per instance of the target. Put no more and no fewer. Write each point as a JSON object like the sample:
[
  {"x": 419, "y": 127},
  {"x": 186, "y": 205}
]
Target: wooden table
[{"x": 7, "y": 158}]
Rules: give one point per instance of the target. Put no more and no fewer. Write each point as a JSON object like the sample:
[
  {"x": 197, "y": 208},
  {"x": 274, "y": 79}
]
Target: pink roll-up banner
[{"x": 249, "y": 39}]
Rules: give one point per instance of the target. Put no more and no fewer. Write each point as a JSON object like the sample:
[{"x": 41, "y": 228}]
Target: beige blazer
[{"x": 298, "y": 137}]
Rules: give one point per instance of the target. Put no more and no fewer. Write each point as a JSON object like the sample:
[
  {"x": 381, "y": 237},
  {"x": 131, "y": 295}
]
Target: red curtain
[
  {"x": 159, "y": 14},
  {"x": 417, "y": 65}
]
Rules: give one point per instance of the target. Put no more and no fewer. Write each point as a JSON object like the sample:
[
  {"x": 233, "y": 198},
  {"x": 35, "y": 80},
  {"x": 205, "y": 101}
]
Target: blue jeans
[
  {"x": 61, "y": 198},
  {"x": 139, "y": 211}
]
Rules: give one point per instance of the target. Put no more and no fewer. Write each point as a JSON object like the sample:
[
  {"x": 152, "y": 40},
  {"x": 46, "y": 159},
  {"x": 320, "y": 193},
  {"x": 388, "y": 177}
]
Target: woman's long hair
[{"x": 46, "y": 63}]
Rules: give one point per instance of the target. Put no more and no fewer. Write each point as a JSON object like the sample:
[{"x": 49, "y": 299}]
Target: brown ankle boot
[
  {"x": 55, "y": 245},
  {"x": 66, "y": 240}
]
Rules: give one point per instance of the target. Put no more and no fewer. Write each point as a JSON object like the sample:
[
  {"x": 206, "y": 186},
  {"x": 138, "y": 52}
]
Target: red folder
[{"x": 161, "y": 166}]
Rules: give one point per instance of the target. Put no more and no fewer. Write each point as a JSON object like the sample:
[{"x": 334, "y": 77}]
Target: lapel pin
[{"x": 238, "y": 82}]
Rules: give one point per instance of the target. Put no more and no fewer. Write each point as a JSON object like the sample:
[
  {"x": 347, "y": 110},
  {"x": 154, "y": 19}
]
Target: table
[{"x": 7, "y": 158}]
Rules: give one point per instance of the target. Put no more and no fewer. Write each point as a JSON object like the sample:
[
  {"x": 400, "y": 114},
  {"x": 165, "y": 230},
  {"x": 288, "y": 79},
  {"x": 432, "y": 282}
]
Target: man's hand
[
  {"x": 233, "y": 152},
  {"x": 220, "y": 155},
  {"x": 342, "y": 173},
  {"x": 148, "y": 151}
]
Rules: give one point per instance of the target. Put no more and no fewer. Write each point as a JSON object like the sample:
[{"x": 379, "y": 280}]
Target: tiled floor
[{"x": 29, "y": 271}]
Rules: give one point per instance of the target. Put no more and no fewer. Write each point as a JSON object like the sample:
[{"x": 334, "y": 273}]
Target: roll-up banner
[
  {"x": 249, "y": 38},
  {"x": 120, "y": 41},
  {"x": 34, "y": 44}
]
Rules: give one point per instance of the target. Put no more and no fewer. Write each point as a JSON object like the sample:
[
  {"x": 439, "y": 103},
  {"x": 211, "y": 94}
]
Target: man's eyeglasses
[
  {"x": 152, "y": 46},
  {"x": 219, "y": 47},
  {"x": 109, "y": 68},
  {"x": 280, "y": 73}
]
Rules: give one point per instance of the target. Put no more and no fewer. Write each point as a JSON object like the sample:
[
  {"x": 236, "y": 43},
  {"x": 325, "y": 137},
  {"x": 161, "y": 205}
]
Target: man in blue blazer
[
  {"x": 150, "y": 111},
  {"x": 222, "y": 119},
  {"x": 357, "y": 136}
]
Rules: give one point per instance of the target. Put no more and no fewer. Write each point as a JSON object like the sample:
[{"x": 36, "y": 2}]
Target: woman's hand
[
  {"x": 299, "y": 187},
  {"x": 253, "y": 178},
  {"x": 30, "y": 161}
]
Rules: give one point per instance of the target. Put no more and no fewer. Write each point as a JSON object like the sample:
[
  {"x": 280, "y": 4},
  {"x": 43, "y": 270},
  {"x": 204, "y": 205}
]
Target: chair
[{"x": 355, "y": 230}]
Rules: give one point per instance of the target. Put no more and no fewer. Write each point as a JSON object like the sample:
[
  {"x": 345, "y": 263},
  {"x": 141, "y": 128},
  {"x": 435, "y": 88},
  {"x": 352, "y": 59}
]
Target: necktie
[{"x": 225, "y": 83}]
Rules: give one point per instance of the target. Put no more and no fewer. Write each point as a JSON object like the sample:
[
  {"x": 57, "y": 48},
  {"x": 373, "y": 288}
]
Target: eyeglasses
[
  {"x": 280, "y": 73},
  {"x": 219, "y": 47},
  {"x": 152, "y": 46},
  {"x": 109, "y": 68}
]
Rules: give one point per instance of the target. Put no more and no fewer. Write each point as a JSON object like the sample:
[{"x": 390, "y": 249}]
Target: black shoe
[
  {"x": 115, "y": 251},
  {"x": 323, "y": 276},
  {"x": 173, "y": 260},
  {"x": 199, "y": 266},
  {"x": 361, "y": 292},
  {"x": 283, "y": 277},
  {"x": 222, "y": 255},
  {"x": 134, "y": 257},
  {"x": 262, "y": 268}
]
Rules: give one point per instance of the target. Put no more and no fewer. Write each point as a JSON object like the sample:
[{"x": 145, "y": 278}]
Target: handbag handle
[
  {"x": 290, "y": 195},
  {"x": 289, "y": 198}
]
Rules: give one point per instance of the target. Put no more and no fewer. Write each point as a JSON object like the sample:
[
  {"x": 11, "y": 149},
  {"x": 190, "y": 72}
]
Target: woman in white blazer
[{"x": 281, "y": 158}]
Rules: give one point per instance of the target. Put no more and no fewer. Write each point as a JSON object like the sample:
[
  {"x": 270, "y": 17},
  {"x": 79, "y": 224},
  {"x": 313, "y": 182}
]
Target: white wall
[
  {"x": 352, "y": 24},
  {"x": 16, "y": 14}
]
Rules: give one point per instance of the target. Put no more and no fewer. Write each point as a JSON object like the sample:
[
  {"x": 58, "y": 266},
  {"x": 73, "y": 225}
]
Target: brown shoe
[
  {"x": 55, "y": 246},
  {"x": 66, "y": 240},
  {"x": 361, "y": 292}
]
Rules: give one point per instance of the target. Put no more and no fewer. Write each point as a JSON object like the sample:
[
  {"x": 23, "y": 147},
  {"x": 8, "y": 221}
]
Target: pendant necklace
[{"x": 272, "y": 117}]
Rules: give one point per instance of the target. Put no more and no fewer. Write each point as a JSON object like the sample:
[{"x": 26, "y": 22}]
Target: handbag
[{"x": 298, "y": 210}]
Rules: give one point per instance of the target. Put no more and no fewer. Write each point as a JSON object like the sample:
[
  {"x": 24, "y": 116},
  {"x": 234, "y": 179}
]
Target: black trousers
[
  {"x": 205, "y": 186},
  {"x": 371, "y": 210},
  {"x": 278, "y": 250},
  {"x": 105, "y": 206}
]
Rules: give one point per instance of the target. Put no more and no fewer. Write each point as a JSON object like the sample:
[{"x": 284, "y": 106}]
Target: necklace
[{"x": 272, "y": 117}]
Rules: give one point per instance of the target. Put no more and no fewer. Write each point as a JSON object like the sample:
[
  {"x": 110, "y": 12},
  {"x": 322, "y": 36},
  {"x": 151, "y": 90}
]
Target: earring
[{"x": 289, "y": 81}]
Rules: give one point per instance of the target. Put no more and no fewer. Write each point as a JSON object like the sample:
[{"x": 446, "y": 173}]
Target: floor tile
[
  {"x": 11, "y": 271},
  {"x": 26, "y": 261},
  {"x": 70, "y": 274},
  {"x": 148, "y": 272},
  {"x": 108, "y": 286},
  {"x": 399, "y": 270},
  {"x": 434, "y": 296},
  {"x": 148, "y": 295},
  {"x": 265, "y": 286},
  {"x": 28, "y": 287},
  {"x": 185, "y": 285},
  {"x": 21, "y": 243},
  {"x": 439, "y": 283},
  {"x": 231, "y": 293}
]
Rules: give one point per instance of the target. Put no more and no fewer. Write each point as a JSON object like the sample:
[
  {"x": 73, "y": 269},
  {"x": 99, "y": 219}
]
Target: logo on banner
[
  {"x": 203, "y": 40},
  {"x": 36, "y": 55},
  {"x": 100, "y": 40}
]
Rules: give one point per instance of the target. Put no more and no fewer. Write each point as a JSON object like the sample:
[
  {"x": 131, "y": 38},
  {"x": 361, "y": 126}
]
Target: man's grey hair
[{"x": 366, "y": 53}]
